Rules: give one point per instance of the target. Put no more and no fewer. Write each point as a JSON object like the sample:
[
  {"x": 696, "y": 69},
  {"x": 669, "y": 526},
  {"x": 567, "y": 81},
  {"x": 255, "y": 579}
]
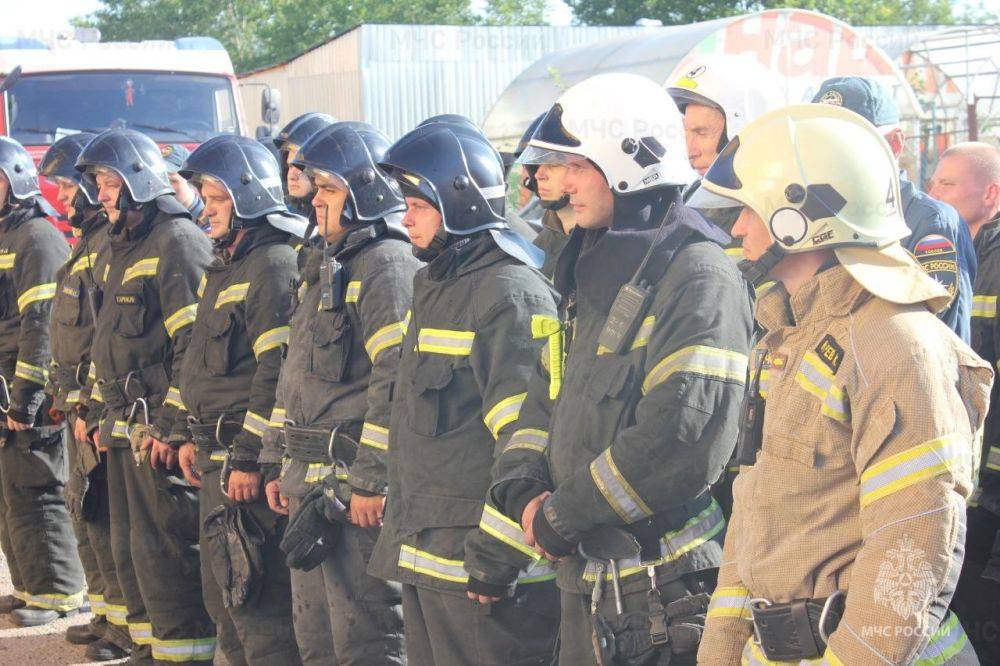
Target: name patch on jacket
[
  {"x": 830, "y": 353},
  {"x": 939, "y": 258},
  {"x": 128, "y": 299}
]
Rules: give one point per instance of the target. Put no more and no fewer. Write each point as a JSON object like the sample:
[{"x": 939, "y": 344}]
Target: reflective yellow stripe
[
  {"x": 902, "y": 470},
  {"x": 303, "y": 288},
  {"x": 620, "y": 495},
  {"x": 506, "y": 530},
  {"x": 31, "y": 373},
  {"x": 277, "y": 419},
  {"x": 698, "y": 530},
  {"x": 143, "y": 268},
  {"x": 503, "y": 413},
  {"x": 552, "y": 352},
  {"x": 532, "y": 439},
  {"x": 218, "y": 455},
  {"x": 92, "y": 371},
  {"x": 74, "y": 397},
  {"x": 183, "y": 650},
  {"x": 95, "y": 393},
  {"x": 107, "y": 269},
  {"x": 56, "y": 602},
  {"x": 42, "y": 292},
  {"x": 984, "y": 306},
  {"x": 353, "y": 291},
  {"x": 424, "y": 563},
  {"x": 116, "y": 615},
  {"x": 119, "y": 430},
  {"x": 232, "y": 294},
  {"x": 641, "y": 338},
  {"x": 201, "y": 285},
  {"x": 174, "y": 398},
  {"x": 385, "y": 337},
  {"x": 83, "y": 262},
  {"x": 816, "y": 378},
  {"x": 316, "y": 472},
  {"x": 180, "y": 319},
  {"x": 141, "y": 633},
  {"x": 700, "y": 360},
  {"x": 730, "y": 602},
  {"x": 945, "y": 643},
  {"x": 255, "y": 424},
  {"x": 97, "y": 606},
  {"x": 993, "y": 459},
  {"x": 7, "y": 261},
  {"x": 406, "y": 321},
  {"x": 269, "y": 340},
  {"x": 375, "y": 436},
  {"x": 442, "y": 341}
]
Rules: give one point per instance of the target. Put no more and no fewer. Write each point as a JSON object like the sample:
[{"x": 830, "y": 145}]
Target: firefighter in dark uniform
[
  {"x": 967, "y": 177},
  {"x": 337, "y": 376},
  {"x": 158, "y": 257},
  {"x": 174, "y": 155},
  {"x": 227, "y": 386},
  {"x": 298, "y": 190},
  {"x": 35, "y": 529},
  {"x": 467, "y": 354},
  {"x": 74, "y": 308},
  {"x": 632, "y": 413}
]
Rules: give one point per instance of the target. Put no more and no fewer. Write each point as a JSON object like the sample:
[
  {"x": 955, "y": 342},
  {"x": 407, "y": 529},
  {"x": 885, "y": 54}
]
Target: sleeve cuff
[
  {"x": 245, "y": 465},
  {"x": 518, "y": 494},
  {"x": 546, "y": 536}
]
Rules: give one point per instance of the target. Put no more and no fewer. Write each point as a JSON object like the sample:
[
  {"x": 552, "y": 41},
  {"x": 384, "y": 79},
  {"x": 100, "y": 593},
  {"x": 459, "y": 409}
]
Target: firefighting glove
[
  {"x": 628, "y": 639},
  {"x": 235, "y": 543},
  {"x": 311, "y": 535}
]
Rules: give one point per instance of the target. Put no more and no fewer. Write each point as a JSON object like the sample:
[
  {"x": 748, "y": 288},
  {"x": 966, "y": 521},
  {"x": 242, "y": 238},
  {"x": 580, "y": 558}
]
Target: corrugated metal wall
[{"x": 394, "y": 76}]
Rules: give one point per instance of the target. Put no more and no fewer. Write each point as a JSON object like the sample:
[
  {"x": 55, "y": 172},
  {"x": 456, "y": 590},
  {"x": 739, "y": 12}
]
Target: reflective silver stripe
[
  {"x": 730, "y": 602},
  {"x": 700, "y": 360},
  {"x": 818, "y": 380},
  {"x": 232, "y": 294},
  {"x": 181, "y": 650},
  {"x": 141, "y": 633},
  {"x": 73, "y": 396},
  {"x": 440, "y": 341},
  {"x": 503, "y": 413},
  {"x": 277, "y": 418},
  {"x": 143, "y": 268},
  {"x": 529, "y": 438},
  {"x": 917, "y": 463},
  {"x": 56, "y": 602},
  {"x": 382, "y": 339},
  {"x": 375, "y": 436},
  {"x": 255, "y": 424},
  {"x": 178, "y": 320},
  {"x": 270, "y": 340},
  {"x": 120, "y": 430},
  {"x": 42, "y": 292},
  {"x": 945, "y": 643},
  {"x": 993, "y": 459},
  {"x": 506, "y": 530},
  {"x": 537, "y": 572},
  {"x": 174, "y": 398},
  {"x": 353, "y": 292},
  {"x": 31, "y": 373},
  {"x": 616, "y": 490},
  {"x": 424, "y": 563},
  {"x": 316, "y": 472},
  {"x": 117, "y": 615},
  {"x": 697, "y": 531}
]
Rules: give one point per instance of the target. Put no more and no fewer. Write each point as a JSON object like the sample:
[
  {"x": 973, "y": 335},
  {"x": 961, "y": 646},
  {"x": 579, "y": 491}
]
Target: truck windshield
[{"x": 168, "y": 107}]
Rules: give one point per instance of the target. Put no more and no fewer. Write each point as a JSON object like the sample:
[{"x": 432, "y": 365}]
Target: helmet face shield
[
  {"x": 552, "y": 130},
  {"x": 536, "y": 155}
]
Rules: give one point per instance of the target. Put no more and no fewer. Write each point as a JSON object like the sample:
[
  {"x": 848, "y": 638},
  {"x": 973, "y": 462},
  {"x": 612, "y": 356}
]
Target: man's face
[
  {"x": 329, "y": 197},
  {"x": 4, "y": 189},
  {"x": 296, "y": 181},
  {"x": 550, "y": 179},
  {"x": 109, "y": 189},
  {"x": 66, "y": 189},
  {"x": 956, "y": 184},
  {"x": 590, "y": 198},
  {"x": 422, "y": 221},
  {"x": 752, "y": 231},
  {"x": 703, "y": 128},
  {"x": 218, "y": 208}
]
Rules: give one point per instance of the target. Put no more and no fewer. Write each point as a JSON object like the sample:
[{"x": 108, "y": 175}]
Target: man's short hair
[{"x": 983, "y": 159}]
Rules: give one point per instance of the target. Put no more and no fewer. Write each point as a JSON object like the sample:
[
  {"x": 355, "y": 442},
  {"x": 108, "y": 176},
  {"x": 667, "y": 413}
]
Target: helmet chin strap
[
  {"x": 226, "y": 241},
  {"x": 755, "y": 272},
  {"x": 432, "y": 251},
  {"x": 558, "y": 204}
]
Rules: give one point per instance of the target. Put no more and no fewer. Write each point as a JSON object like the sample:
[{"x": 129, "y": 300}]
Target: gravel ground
[{"x": 39, "y": 646}]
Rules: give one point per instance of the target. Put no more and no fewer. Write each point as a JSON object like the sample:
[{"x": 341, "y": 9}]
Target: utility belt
[
  {"x": 214, "y": 435},
  {"x": 321, "y": 445},
  {"x": 70, "y": 377},
  {"x": 136, "y": 385},
  {"x": 796, "y": 630}
]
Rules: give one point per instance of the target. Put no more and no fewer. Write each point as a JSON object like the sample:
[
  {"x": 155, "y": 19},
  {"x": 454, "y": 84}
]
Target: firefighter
[
  {"x": 938, "y": 239},
  {"x": 632, "y": 411},
  {"x": 862, "y": 416},
  {"x": 466, "y": 356},
  {"x": 228, "y": 382},
  {"x": 336, "y": 381},
  {"x": 35, "y": 528},
  {"x": 968, "y": 178},
  {"x": 298, "y": 189},
  {"x": 158, "y": 257},
  {"x": 74, "y": 308}
]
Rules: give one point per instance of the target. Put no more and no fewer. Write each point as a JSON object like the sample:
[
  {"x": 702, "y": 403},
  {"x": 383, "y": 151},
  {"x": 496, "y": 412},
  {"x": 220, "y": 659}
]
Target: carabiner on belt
[{"x": 4, "y": 395}]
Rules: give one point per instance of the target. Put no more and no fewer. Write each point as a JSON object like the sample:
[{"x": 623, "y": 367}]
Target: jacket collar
[
  {"x": 988, "y": 238},
  {"x": 465, "y": 255},
  {"x": 18, "y": 217},
  {"x": 829, "y": 293},
  {"x": 599, "y": 262}
]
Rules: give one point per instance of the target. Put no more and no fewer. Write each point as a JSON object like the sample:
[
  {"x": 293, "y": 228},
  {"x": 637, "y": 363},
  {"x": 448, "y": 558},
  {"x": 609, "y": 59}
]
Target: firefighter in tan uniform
[{"x": 860, "y": 429}]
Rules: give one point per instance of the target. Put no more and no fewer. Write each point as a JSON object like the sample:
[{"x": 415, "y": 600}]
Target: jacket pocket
[
  {"x": 422, "y": 512},
  {"x": 8, "y": 296},
  {"x": 431, "y": 377},
  {"x": 67, "y": 304},
  {"x": 611, "y": 379},
  {"x": 332, "y": 336},
  {"x": 132, "y": 309},
  {"x": 221, "y": 328}
]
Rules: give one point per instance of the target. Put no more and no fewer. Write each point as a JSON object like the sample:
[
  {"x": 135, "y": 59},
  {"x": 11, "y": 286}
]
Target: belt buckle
[
  {"x": 76, "y": 374},
  {"x": 823, "y": 616}
]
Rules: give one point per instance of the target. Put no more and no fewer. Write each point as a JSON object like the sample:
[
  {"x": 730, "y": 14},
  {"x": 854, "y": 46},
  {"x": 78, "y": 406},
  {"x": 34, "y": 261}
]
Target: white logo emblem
[
  {"x": 696, "y": 72},
  {"x": 905, "y": 581},
  {"x": 832, "y": 97}
]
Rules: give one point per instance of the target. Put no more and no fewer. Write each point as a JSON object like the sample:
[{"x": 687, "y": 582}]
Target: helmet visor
[{"x": 535, "y": 155}]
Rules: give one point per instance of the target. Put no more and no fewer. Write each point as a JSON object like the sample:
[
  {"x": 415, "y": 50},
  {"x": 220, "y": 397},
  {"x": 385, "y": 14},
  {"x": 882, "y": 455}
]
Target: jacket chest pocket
[
  {"x": 427, "y": 411},
  {"x": 332, "y": 336},
  {"x": 222, "y": 328},
  {"x": 67, "y": 307},
  {"x": 610, "y": 389},
  {"x": 133, "y": 312}
]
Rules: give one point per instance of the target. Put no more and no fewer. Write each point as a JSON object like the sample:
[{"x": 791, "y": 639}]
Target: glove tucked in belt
[
  {"x": 235, "y": 541},
  {"x": 313, "y": 532}
]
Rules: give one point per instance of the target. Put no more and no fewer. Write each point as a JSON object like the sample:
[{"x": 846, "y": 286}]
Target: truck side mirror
[{"x": 270, "y": 105}]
